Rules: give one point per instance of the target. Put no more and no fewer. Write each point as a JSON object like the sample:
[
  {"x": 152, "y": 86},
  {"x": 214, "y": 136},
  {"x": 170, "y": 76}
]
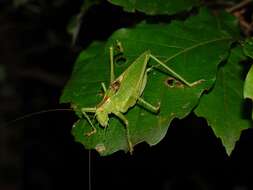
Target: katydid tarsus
[{"x": 125, "y": 92}]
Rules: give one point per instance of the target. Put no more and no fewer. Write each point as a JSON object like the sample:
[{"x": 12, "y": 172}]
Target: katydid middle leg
[
  {"x": 148, "y": 106},
  {"x": 125, "y": 121},
  {"x": 142, "y": 102}
]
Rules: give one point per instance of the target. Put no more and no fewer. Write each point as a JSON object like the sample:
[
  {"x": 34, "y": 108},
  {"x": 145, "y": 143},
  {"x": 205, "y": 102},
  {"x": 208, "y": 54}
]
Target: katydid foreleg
[{"x": 90, "y": 110}]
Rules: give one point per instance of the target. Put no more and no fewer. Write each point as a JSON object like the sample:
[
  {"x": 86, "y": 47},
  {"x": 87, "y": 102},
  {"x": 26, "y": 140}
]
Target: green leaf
[
  {"x": 248, "y": 86},
  {"x": 154, "y": 7},
  {"x": 192, "y": 50},
  {"x": 248, "y": 47},
  {"x": 75, "y": 90},
  {"x": 223, "y": 106},
  {"x": 221, "y": 20}
]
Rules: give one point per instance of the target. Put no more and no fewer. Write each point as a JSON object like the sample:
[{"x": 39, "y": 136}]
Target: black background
[{"x": 39, "y": 152}]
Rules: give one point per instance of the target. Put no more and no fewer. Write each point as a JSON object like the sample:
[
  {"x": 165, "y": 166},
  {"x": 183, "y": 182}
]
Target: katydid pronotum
[{"x": 125, "y": 92}]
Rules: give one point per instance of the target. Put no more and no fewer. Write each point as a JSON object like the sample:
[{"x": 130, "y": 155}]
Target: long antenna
[
  {"x": 89, "y": 162},
  {"x": 54, "y": 110},
  {"x": 36, "y": 113}
]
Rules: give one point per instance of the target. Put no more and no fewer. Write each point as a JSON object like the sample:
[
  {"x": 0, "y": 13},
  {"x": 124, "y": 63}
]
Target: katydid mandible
[{"x": 125, "y": 92}]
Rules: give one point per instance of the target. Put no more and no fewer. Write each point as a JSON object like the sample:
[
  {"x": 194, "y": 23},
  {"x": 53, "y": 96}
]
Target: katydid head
[{"x": 102, "y": 117}]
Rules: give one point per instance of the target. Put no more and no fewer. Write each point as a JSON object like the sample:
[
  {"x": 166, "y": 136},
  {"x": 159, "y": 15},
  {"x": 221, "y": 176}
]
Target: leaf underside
[
  {"x": 223, "y": 106},
  {"x": 192, "y": 50},
  {"x": 153, "y": 7}
]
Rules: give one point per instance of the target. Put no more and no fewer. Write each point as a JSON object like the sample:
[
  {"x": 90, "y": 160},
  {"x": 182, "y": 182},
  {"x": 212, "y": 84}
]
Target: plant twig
[{"x": 238, "y": 6}]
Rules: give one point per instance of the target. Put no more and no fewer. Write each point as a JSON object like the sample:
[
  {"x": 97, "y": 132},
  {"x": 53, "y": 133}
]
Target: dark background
[{"x": 38, "y": 152}]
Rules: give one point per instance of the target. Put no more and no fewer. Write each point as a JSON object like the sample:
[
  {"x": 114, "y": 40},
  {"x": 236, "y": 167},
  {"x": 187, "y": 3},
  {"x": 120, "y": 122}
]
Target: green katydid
[{"x": 125, "y": 91}]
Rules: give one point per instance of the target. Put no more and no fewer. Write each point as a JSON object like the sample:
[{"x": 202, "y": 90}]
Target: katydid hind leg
[
  {"x": 125, "y": 121},
  {"x": 175, "y": 74},
  {"x": 148, "y": 106}
]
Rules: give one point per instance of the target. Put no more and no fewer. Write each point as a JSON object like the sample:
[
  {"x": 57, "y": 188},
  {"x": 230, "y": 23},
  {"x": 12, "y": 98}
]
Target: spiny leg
[
  {"x": 92, "y": 110},
  {"x": 176, "y": 74},
  {"x": 125, "y": 121},
  {"x": 148, "y": 106}
]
